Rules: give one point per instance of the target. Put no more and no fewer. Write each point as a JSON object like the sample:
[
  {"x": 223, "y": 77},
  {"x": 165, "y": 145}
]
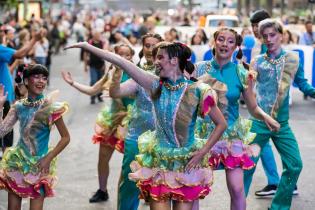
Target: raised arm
[
  {"x": 118, "y": 90},
  {"x": 89, "y": 90},
  {"x": 28, "y": 46},
  {"x": 142, "y": 77}
]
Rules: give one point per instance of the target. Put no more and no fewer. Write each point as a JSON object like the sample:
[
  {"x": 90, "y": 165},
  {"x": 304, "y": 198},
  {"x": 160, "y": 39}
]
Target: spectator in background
[
  {"x": 196, "y": 40},
  {"x": 186, "y": 21},
  {"x": 147, "y": 27},
  {"x": 41, "y": 49},
  {"x": 174, "y": 34},
  {"x": 168, "y": 36},
  {"x": 9, "y": 31},
  {"x": 203, "y": 35},
  {"x": 287, "y": 37},
  {"x": 94, "y": 64},
  {"x": 308, "y": 37}
]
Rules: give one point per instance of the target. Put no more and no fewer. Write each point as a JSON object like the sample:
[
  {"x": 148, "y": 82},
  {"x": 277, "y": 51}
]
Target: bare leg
[
  {"x": 195, "y": 205},
  {"x": 183, "y": 205},
  {"x": 14, "y": 201},
  {"x": 37, "y": 204},
  {"x": 105, "y": 153},
  {"x": 155, "y": 205},
  {"x": 234, "y": 180}
]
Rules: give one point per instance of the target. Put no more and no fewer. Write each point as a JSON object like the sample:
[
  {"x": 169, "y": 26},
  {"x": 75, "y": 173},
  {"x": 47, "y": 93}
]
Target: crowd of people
[{"x": 175, "y": 121}]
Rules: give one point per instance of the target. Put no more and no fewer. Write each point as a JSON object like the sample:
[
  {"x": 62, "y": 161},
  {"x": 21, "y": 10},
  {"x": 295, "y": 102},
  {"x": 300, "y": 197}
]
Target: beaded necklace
[
  {"x": 173, "y": 87},
  {"x": 274, "y": 61},
  {"x": 27, "y": 102}
]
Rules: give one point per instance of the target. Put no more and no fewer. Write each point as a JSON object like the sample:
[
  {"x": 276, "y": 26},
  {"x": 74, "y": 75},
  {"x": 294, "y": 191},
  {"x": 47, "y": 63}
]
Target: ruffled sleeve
[
  {"x": 208, "y": 98},
  {"x": 246, "y": 75},
  {"x": 57, "y": 110}
]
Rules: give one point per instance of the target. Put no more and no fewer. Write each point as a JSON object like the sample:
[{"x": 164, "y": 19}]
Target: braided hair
[{"x": 182, "y": 52}]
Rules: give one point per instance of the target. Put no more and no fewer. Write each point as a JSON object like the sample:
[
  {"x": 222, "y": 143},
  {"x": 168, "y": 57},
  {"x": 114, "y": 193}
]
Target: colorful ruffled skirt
[
  {"x": 233, "y": 149},
  {"x": 110, "y": 127},
  {"x": 19, "y": 174},
  {"x": 160, "y": 171}
]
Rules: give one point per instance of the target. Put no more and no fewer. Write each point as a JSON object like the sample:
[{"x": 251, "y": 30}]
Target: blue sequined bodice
[
  {"x": 166, "y": 109},
  {"x": 142, "y": 118}
]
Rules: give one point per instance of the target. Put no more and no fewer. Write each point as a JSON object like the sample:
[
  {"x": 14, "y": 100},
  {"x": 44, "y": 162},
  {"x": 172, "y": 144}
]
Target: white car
[{"x": 222, "y": 20}]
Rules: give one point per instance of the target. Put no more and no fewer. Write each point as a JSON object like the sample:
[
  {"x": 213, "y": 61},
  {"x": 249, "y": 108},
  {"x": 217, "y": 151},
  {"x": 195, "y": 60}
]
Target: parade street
[{"x": 77, "y": 165}]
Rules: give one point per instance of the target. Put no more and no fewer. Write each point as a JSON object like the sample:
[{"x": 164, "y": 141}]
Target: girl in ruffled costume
[
  {"x": 141, "y": 120},
  {"x": 172, "y": 164},
  {"x": 28, "y": 170},
  {"x": 111, "y": 121},
  {"x": 231, "y": 80}
]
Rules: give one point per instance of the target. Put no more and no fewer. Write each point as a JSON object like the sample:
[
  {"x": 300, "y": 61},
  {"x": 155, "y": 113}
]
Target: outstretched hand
[
  {"x": 76, "y": 45},
  {"x": 3, "y": 96},
  {"x": 67, "y": 77}
]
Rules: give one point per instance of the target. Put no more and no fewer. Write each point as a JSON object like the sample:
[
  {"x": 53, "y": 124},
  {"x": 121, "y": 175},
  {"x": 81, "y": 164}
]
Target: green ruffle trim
[
  {"x": 239, "y": 130},
  {"x": 152, "y": 155},
  {"x": 15, "y": 159}
]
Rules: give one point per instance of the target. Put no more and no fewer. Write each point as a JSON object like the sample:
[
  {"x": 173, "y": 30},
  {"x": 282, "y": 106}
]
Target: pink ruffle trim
[
  {"x": 164, "y": 192},
  {"x": 28, "y": 186},
  {"x": 163, "y": 185},
  {"x": 231, "y": 162},
  {"x": 207, "y": 104},
  {"x": 110, "y": 141}
]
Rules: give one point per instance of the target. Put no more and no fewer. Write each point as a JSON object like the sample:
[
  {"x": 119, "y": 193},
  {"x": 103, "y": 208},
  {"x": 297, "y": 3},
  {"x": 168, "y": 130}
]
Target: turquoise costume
[
  {"x": 164, "y": 153},
  {"x": 111, "y": 122},
  {"x": 141, "y": 120},
  {"x": 230, "y": 81},
  {"x": 19, "y": 172},
  {"x": 273, "y": 83}
]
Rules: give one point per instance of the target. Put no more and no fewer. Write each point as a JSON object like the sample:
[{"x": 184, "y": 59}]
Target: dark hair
[
  {"x": 308, "y": 22},
  {"x": 258, "y": 16},
  {"x": 204, "y": 38},
  {"x": 116, "y": 48},
  {"x": 143, "y": 38},
  {"x": 290, "y": 36},
  {"x": 25, "y": 71},
  {"x": 182, "y": 52}
]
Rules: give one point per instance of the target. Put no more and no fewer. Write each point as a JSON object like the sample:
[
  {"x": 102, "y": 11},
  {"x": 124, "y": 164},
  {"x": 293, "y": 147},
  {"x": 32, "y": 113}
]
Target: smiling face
[
  {"x": 225, "y": 44},
  {"x": 36, "y": 84},
  {"x": 164, "y": 64},
  {"x": 272, "y": 38}
]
